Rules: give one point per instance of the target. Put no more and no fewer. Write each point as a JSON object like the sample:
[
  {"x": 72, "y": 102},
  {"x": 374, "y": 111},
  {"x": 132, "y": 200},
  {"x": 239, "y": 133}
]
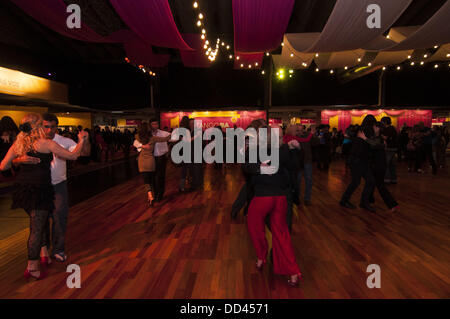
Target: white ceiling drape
[
  {"x": 347, "y": 29},
  {"x": 441, "y": 53},
  {"x": 391, "y": 57},
  {"x": 435, "y": 31}
]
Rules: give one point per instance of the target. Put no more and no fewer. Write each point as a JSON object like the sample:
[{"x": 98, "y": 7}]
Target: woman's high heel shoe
[
  {"x": 45, "y": 262},
  {"x": 295, "y": 283},
  {"x": 28, "y": 274}
]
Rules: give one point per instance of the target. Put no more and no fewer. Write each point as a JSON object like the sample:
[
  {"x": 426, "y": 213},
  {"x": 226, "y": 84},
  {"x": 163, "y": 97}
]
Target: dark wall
[{"x": 218, "y": 85}]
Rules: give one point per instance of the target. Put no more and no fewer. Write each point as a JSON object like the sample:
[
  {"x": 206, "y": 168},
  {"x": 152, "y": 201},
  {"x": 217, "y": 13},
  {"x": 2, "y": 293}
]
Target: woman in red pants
[{"x": 271, "y": 186}]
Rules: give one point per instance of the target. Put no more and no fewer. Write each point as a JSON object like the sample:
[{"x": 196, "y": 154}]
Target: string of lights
[
  {"x": 207, "y": 45},
  {"x": 141, "y": 67}
]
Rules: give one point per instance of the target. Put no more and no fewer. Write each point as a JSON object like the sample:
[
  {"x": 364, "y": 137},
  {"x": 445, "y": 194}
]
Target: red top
[{"x": 287, "y": 138}]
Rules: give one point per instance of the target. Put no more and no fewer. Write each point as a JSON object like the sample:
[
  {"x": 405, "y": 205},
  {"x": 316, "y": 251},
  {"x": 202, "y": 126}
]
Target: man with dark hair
[
  {"x": 389, "y": 134},
  {"x": 160, "y": 153},
  {"x": 49, "y": 117}
]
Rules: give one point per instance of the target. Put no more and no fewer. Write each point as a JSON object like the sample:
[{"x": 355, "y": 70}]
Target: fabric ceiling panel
[
  {"x": 259, "y": 25},
  {"x": 152, "y": 21},
  {"x": 435, "y": 31},
  {"x": 197, "y": 58},
  {"x": 246, "y": 59},
  {"x": 339, "y": 59},
  {"x": 389, "y": 58},
  {"x": 52, "y": 14},
  {"x": 347, "y": 29},
  {"x": 442, "y": 54}
]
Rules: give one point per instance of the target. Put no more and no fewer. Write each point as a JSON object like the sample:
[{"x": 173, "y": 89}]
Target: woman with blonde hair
[{"x": 33, "y": 189}]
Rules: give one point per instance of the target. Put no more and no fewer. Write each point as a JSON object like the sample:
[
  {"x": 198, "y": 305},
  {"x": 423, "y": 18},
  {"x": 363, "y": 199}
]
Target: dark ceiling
[{"x": 98, "y": 77}]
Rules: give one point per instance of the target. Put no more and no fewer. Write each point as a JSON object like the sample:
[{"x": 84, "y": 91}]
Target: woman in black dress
[{"x": 33, "y": 189}]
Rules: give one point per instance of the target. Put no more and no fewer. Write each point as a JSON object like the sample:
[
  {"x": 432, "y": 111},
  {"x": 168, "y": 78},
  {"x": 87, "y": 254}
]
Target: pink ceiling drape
[
  {"x": 197, "y": 58},
  {"x": 52, "y": 14},
  {"x": 152, "y": 21},
  {"x": 141, "y": 53},
  {"x": 259, "y": 25}
]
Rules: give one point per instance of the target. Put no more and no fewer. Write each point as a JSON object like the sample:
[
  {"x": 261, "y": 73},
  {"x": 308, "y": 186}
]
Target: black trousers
[
  {"x": 160, "y": 175},
  {"x": 149, "y": 182},
  {"x": 360, "y": 169}
]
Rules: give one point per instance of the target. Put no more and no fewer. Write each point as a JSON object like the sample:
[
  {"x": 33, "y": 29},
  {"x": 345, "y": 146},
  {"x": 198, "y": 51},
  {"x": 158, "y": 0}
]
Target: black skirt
[{"x": 33, "y": 197}]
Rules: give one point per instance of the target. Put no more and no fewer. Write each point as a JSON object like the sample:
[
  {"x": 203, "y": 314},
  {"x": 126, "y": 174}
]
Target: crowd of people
[{"x": 37, "y": 151}]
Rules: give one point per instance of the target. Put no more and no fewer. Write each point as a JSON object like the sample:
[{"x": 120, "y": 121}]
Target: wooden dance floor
[{"x": 188, "y": 246}]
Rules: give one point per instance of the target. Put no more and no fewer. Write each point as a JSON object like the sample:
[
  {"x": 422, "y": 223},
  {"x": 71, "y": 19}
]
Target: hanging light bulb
[
  {"x": 256, "y": 63},
  {"x": 292, "y": 55},
  {"x": 387, "y": 37},
  {"x": 421, "y": 62},
  {"x": 409, "y": 57},
  {"x": 291, "y": 71},
  {"x": 331, "y": 71},
  {"x": 195, "y": 5},
  {"x": 398, "y": 68},
  {"x": 249, "y": 66},
  {"x": 282, "y": 44},
  {"x": 223, "y": 43},
  {"x": 203, "y": 37},
  {"x": 230, "y": 56},
  {"x": 237, "y": 58},
  {"x": 346, "y": 67},
  {"x": 436, "y": 46},
  {"x": 448, "y": 55},
  {"x": 384, "y": 68},
  {"x": 200, "y": 16},
  {"x": 412, "y": 63},
  {"x": 228, "y": 47},
  {"x": 199, "y": 23},
  {"x": 242, "y": 65},
  {"x": 267, "y": 54},
  {"x": 205, "y": 47},
  {"x": 359, "y": 59},
  {"x": 436, "y": 66},
  {"x": 317, "y": 55},
  {"x": 425, "y": 56},
  {"x": 317, "y": 69},
  {"x": 207, "y": 42},
  {"x": 370, "y": 64},
  {"x": 304, "y": 64},
  {"x": 263, "y": 72},
  {"x": 203, "y": 31}
]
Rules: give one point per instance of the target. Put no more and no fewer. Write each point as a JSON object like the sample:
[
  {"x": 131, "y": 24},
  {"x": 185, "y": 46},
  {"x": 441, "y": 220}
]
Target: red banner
[
  {"x": 225, "y": 119},
  {"x": 133, "y": 122}
]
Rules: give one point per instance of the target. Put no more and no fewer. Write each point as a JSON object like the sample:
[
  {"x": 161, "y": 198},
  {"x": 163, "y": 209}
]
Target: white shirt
[
  {"x": 161, "y": 148},
  {"x": 58, "y": 166},
  {"x": 137, "y": 145}
]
